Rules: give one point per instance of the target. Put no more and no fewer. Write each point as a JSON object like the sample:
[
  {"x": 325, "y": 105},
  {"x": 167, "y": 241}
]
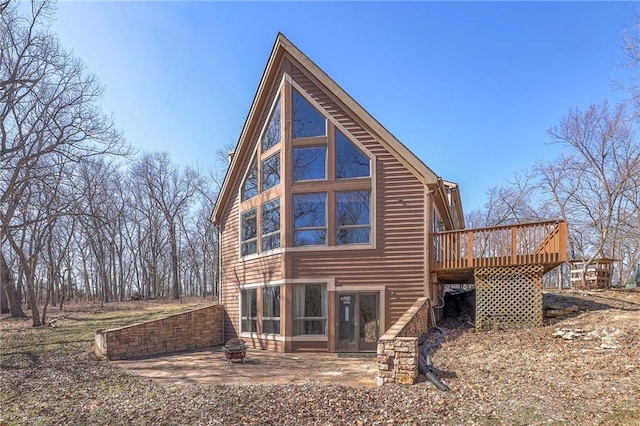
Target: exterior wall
[
  {"x": 234, "y": 271},
  {"x": 398, "y": 259},
  {"x": 398, "y": 351},
  {"x": 198, "y": 328},
  {"x": 396, "y": 263}
]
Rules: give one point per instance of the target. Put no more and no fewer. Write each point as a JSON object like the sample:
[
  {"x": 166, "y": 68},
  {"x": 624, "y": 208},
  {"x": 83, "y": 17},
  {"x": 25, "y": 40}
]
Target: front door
[{"x": 357, "y": 322}]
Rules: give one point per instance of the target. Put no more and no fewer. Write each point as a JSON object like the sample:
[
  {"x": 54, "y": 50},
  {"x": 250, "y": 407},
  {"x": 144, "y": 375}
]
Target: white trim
[
  {"x": 255, "y": 256},
  {"x": 330, "y": 282},
  {"x": 333, "y": 248},
  {"x": 261, "y": 284}
]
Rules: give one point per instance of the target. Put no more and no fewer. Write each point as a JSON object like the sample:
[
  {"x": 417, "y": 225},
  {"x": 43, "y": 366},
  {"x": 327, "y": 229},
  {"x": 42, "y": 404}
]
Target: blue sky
[{"x": 470, "y": 88}]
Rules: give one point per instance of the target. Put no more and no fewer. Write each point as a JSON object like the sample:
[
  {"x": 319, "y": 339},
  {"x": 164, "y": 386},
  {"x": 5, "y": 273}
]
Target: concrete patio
[{"x": 260, "y": 367}]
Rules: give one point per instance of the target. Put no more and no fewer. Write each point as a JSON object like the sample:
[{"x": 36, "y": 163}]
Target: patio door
[{"x": 358, "y": 321}]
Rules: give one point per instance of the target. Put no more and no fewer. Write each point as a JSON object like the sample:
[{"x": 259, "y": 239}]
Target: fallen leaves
[{"x": 498, "y": 377}]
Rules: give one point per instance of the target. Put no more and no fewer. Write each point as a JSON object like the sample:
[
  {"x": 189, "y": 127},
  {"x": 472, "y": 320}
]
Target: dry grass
[{"x": 50, "y": 376}]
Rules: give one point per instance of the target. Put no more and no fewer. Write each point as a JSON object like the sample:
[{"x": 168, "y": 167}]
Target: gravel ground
[{"x": 521, "y": 377}]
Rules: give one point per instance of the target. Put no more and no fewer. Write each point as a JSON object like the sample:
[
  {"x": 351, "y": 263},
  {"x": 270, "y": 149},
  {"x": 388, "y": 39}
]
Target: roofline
[
  {"x": 223, "y": 195},
  {"x": 281, "y": 47}
]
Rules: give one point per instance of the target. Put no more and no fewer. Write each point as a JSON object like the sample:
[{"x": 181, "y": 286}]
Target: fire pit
[{"x": 235, "y": 349}]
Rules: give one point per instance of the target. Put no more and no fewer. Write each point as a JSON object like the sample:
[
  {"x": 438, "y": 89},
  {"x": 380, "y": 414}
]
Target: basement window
[
  {"x": 271, "y": 310},
  {"x": 249, "y": 311}
]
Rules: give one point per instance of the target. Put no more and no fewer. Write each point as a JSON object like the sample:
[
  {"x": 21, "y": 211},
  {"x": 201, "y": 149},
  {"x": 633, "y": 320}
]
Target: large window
[
  {"x": 309, "y": 309},
  {"x": 309, "y": 219},
  {"x": 250, "y": 185},
  {"x": 271, "y": 171},
  {"x": 271, "y": 225},
  {"x": 309, "y": 163},
  {"x": 249, "y": 310},
  {"x": 350, "y": 161},
  {"x": 307, "y": 121},
  {"x": 271, "y": 136},
  {"x": 353, "y": 217},
  {"x": 249, "y": 232},
  {"x": 271, "y": 310}
]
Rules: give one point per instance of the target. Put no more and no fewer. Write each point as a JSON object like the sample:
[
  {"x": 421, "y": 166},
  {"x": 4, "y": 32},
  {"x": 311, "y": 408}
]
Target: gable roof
[{"x": 281, "y": 48}]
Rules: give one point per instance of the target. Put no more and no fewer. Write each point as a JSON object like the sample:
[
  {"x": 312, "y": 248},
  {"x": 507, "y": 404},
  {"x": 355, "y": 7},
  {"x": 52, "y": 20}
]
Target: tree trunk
[
  {"x": 174, "y": 262},
  {"x": 8, "y": 289},
  {"x": 4, "y": 305},
  {"x": 35, "y": 314}
]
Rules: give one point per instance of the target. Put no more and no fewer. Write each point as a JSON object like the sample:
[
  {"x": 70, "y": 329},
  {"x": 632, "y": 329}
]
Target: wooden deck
[{"x": 457, "y": 253}]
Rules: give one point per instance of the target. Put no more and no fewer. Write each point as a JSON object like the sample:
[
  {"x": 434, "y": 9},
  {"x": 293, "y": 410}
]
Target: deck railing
[{"x": 542, "y": 243}]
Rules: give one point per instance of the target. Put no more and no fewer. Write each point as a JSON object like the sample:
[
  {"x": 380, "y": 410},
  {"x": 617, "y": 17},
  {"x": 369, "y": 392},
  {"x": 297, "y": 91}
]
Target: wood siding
[{"x": 397, "y": 262}]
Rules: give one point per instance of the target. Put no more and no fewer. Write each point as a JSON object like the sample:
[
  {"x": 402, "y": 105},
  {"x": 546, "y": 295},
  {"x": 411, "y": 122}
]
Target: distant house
[{"x": 327, "y": 222}]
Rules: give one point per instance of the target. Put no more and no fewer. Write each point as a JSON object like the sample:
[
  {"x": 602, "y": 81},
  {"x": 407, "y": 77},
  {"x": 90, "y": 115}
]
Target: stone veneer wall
[
  {"x": 398, "y": 351},
  {"x": 197, "y": 328}
]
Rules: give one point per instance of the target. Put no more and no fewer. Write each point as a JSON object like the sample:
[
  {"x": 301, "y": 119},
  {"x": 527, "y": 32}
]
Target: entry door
[{"x": 358, "y": 326}]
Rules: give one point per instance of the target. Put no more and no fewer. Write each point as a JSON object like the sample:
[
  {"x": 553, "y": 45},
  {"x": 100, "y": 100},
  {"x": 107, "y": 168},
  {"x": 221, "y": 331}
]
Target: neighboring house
[{"x": 325, "y": 218}]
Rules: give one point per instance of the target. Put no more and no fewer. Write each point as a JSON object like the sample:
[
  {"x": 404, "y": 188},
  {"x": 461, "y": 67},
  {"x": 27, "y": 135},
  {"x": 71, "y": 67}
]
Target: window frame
[
  {"x": 324, "y": 228},
  {"x": 277, "y": 232},
  {"x": 272, "y": 317},
  {"x": 309, "y": 147},
  {"x": 251, "y": 170},
  {"x": 245, "y": 241},
  {"x": 263, "y": 161},
  {"x": 254, "y": 309},
  {"x": 355, "y": 146},
  {"x": 324, "y": 309},
  {"x": 277, "y": 105},
  {"x": 367, "y": 225},
  {"x": 295, "y": 90}
]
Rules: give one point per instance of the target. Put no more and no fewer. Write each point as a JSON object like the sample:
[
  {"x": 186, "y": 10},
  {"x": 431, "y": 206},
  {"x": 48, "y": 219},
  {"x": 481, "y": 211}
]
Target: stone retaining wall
[
  {"x": 197, "y": 328},
  {"x": 398, "y": 351}
]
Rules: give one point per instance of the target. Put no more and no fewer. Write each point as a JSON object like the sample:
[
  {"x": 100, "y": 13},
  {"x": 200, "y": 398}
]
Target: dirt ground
[{"x": 582, "y": 367}]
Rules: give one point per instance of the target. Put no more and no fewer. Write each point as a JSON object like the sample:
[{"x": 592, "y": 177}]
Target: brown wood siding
[
  {"x": 234, "y": 271},
  {"x": 264, "y": 344},
  {"x": 398, "y": 260}
]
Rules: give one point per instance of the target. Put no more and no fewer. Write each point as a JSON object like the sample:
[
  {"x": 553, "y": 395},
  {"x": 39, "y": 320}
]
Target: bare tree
[
  {"x": 49, "y": 118},
  {"x": 171, "y": 190}
]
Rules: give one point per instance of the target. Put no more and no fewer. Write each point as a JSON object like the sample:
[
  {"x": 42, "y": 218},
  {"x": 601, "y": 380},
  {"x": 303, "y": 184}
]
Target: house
[{"x": 326, "y": 220}]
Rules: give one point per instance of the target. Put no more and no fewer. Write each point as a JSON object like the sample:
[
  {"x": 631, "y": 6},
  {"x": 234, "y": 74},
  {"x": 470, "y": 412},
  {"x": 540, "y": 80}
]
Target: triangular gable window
[
  {"x": 250, "y": 185},
  {"x": 307, "y": 121},
  {"x": 271, "y": 136},
  {"x": 350, "y": 161}
]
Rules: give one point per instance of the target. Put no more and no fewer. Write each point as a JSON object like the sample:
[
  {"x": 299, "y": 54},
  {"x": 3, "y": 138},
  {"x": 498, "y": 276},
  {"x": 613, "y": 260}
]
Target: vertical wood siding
[{"x": 398, "y": 260}]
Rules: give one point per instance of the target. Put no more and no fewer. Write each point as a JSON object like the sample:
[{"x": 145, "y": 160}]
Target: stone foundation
[
  {"x": 198, "y": 328},
  {"x": 398, "y": 351}
]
